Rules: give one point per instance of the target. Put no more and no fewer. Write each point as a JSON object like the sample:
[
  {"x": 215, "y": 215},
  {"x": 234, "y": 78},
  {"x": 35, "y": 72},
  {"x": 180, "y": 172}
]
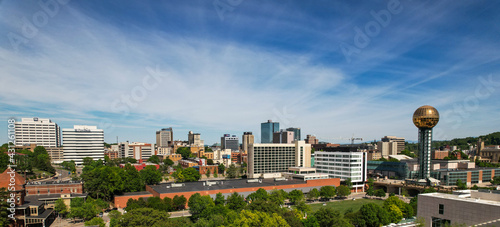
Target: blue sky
[{"x": 333, "y": 68}]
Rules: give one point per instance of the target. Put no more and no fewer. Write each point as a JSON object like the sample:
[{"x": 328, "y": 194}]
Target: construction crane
[{"x": 352, "y": 139}]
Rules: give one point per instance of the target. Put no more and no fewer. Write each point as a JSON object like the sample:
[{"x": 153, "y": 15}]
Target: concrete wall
[{"x": 455, "y": 210}]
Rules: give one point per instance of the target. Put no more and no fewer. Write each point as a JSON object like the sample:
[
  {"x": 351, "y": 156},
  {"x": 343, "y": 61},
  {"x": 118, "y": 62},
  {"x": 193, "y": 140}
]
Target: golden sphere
[{"x": 426, "y": 117}]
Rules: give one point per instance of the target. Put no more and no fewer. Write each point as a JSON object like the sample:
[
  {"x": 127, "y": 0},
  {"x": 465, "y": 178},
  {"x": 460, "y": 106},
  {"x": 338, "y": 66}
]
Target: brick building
[
  {"x": 53, "y": 187},
  {"x": 242, "y": 186}
]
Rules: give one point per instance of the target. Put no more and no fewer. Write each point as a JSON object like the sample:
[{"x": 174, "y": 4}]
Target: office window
[{"x": 441, "y": 209}]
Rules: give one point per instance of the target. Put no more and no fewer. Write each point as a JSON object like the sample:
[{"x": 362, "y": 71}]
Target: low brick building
[
  {"x": 54, "y": 187},
  {"x": 226, "y": 187},
  {"x": 203, "y": 169}
]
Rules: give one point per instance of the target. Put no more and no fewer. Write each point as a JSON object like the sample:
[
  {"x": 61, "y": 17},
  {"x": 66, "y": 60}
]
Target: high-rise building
[
  {"x": 194, "y": 139},
  {"x": 425, "y": 118},
  {"x": 230, "y": 142},
  {"x": 142, "y": 151},
  {"x": 399, "y": 140},
  {"x": 343, "y": 165},
  {"x": 267, "y": 129},
  {"x": 296, "y": 133},
  {"x": 271, "y": 160},
  {"x": 164, "y": 137},
  {"x": 39, "y": 131},
  {"x": 387, "y": 148},
  {"x": 83, "y": 141},
  {"x": 311, "y": 139},
  {"x": 283, "y": 137},
  {"x": 248, "y": 139}
]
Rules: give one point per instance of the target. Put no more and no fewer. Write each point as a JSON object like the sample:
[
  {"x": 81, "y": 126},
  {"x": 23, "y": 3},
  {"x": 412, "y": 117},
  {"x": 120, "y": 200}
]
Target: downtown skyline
[{"x": 132, "y": 68}]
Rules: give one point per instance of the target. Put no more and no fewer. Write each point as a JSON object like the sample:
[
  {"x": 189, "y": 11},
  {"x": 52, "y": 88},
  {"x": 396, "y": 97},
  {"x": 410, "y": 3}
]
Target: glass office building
[{"x": 267, "y": 129}]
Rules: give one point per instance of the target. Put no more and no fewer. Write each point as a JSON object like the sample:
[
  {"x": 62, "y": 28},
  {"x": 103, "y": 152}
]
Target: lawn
[{"x": 344, "y": 205}]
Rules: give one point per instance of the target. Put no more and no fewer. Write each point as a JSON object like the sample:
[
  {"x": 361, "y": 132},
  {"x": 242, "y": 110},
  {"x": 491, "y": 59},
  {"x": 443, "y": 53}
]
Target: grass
[{"x": 344, "y": 205}]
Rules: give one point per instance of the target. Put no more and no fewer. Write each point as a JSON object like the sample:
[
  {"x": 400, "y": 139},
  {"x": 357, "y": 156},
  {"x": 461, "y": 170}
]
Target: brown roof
[{"x": 5, "y": 180}]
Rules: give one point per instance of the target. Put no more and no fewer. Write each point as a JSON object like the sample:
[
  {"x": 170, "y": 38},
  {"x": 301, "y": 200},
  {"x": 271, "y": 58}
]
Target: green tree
[
  {"x": 260, "y": 194},
  {"x": 405, "y": 208},
  {"x": 370, "y": 192},
  {"x": 132, "y": 177},
  {"x": 296, "y": 196},
  {"x": 328, "y": 217},
  {"x": 60, "y": 207},
  {"x": 200, "y": 206},
  {"x": 278, "y": 196},
  {"x": 232, "y": 171},
  {"x": 222, "y": 168},
  {"x": 210, "y": 161},
  {"x": 150, "y": 175},
  {"x": 461, "y": 185},
  {"x": 395, "y": 214},
  {"x": 313, "y": 194},
  {"x": 185, "y": 152},
  {"x": 179, "y": 202},
  {"x": 114, "y": 217},
  {"x": 168, "y": 162},
  {"x": 4, "y": 218},
  {"x": 348, "y": 183},
  {"x": 191, "y": 174},
  {"x": 380, "y": 193},
  {"x": 103, "y": 181},
  {"x": 256, "y": 218},
  {"x": 374, "y": 215},
  {"x": 236, "y": 202},
  {"x": 310, "y": 221},
  {"x": 327, "y": 192},
  {"x": 144, "y": 217},
  {"x": 219, "y": 199},
  {"x": 495, "y": 180},
  {"x": 429, "y": 190},
  {"x": 208, "y": 173},
  {"x": 154, "y": 159},
  {"x": 343, "y": 191},
  {"x": 95, "y": 221}
]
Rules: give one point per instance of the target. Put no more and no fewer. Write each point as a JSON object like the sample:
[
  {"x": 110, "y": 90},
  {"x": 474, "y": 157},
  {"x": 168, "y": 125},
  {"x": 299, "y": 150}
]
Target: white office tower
[
  {"x": 39, "y": 131},
  {"x": 343, "y": 165},
  {"x": 83, "y": 141}
]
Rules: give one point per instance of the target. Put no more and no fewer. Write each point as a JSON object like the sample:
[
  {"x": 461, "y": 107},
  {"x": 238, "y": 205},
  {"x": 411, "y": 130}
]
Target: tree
[
  {"x": 219, "y": 199},
  {"x": 191, "y": 174},
  {"x": 278, "y": 196},
  {"x": 380, "y": 193},
  {"x": 313, "y": 194},
  {"x": 210, "y": 161},
  {"x": 185, "y": 152},
  {"x": 310, "y": 221},
  {"x": 222, "y": 168},
  {"x": 343, "y": 191},
  {"x": 103, "y": 181},
  {"x": 60, "y": 207},
  {"x": 327, "y": 192},
  {"x": 95, "y": 221},
  {"x": 168, "y": 162},
  {"x": 179, "y": 202},
  {"x": 256, "y": 218},
  {"x": 200, "y": 206},
  {"x": 348, "y": 183},
  {"x": 260, "y": 194},
  {"x": 236, "y": 202},
  {"x": 144, "y": 217},
  {"x": 4, "y": 218},
  {"x": 303, "y": 207},
  {"x": 329, "y": 217},
  {"x": 232, "y": 172},
  {"x": 207, "y": 173},
  {"x": 395, "y": 214},
  {"x": 461, "y": 185},
  {"x": 370, "y": 192},
  {"x": 374, "y": 215},
  {"x": 295, "y": 196},
  {"x": 114, "y": 217},
  {"x": 132, "y": 177},
  {"x": 154, "y": 159},
  {"x": 150, "y": 175},
  {"x": 405, "y": 208},
  {"x": 495, "y": 180}
]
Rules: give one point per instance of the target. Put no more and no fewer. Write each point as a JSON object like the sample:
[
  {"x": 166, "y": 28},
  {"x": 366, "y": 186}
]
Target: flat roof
[
  {"x": 226, "y": 184},
  {"x": 458, "y": 198},
  {"x": 136, "y": 193}
]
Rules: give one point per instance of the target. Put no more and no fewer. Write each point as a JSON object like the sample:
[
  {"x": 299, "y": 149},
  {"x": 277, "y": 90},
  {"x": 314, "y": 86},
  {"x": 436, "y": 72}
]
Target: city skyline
[{"x": 295, "y": 63}]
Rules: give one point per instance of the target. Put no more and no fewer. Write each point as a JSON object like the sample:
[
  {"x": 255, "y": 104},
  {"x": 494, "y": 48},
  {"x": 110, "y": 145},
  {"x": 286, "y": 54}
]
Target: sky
[{"x": 336, "y": 69}]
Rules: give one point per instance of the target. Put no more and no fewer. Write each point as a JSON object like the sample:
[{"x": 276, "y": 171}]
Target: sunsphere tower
[{"x": 425, "y": 118}]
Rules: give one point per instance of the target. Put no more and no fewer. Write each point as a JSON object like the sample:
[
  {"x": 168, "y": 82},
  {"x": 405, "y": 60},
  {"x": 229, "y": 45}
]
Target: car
[
  {"x": 100, "y": 215},
  {"x": 107, "y": 210},
  {"x": 114, "y": 208}
]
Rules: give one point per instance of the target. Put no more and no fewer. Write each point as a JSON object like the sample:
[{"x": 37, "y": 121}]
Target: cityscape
[{"x": 239, "y": 113}]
